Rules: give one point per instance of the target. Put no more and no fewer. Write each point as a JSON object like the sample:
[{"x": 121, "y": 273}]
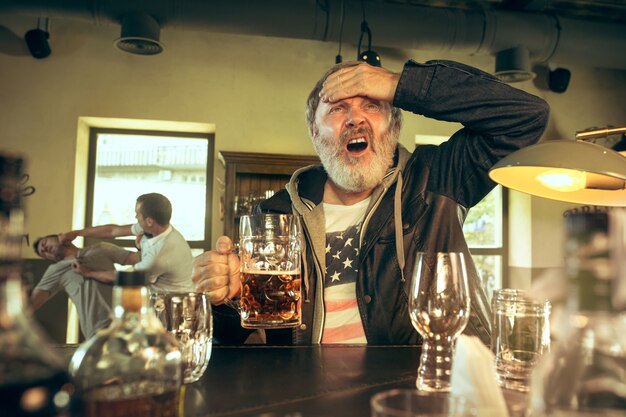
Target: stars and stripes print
[
  {"x": 343, "y": 322},
  {"x": 342, "y": 319}
]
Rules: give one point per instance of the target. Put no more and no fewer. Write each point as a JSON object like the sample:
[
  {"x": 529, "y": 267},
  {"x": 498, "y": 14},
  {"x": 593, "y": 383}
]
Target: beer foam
[{"x": 267, "y": 272}]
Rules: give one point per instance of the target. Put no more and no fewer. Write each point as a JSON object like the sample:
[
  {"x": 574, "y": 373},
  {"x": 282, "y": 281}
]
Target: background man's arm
[
  {"x": 102, "y": 232},
  {"x": 132, "y": 258},
  {"x": 107, "y": 277},
  {"x": 38, "y": 298}
]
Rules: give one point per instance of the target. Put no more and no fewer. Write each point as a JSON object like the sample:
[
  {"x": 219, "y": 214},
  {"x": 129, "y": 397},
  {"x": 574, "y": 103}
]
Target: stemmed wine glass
[{"x": 439, "y": 306}]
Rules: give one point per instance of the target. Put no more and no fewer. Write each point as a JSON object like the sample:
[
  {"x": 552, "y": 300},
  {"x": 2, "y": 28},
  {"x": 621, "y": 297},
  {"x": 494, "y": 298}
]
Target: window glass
[
  {"x": 489, "y": 268},
  {"x": 483, "y": 230},
  {"x": 127, "y": 165},
  {"x": 483, "y": 225}
]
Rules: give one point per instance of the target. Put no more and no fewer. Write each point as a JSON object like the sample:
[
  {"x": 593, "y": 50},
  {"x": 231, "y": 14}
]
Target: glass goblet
[{"x": 439, "y": 306}]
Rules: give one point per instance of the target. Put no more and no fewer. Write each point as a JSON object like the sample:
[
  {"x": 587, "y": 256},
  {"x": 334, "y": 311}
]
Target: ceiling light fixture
[
  {"x": 369, "y": 56},
  {"x": 513, "y": 65},
  {"x": 558, "y": 79},
  {"x": 140, "y": 35},
  {"x": 338, "y": 57},
  {"x": 572, "y": 171},
  {"x": 37, "y": 40}
]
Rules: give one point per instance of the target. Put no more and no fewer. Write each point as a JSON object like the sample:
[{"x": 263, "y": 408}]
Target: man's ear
[{"x": 149, "y": 221}]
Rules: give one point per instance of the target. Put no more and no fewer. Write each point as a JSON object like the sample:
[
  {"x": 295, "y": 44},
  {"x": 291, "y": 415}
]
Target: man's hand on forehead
[{"x": 363, "y": 80}]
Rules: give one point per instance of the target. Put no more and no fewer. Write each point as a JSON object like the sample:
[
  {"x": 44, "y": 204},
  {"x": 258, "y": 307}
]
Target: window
[
  {"x": 123, "y": 164},
  {"x": 485, "y": 230}
]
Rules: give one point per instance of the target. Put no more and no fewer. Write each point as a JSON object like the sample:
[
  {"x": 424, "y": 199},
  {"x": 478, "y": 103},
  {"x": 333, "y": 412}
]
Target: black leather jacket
[{"x": 425, "y": 197}]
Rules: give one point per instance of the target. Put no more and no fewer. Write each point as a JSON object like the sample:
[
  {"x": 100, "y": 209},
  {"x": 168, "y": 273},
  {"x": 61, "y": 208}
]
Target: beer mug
[{"x": 269, "y": 250}]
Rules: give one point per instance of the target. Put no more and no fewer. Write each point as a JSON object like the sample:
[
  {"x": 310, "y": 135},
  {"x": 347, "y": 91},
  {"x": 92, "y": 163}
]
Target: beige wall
[{"x": 252, "y": 89}]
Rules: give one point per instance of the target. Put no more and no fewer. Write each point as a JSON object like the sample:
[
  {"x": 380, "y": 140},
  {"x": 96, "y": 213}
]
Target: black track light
[
  {"x": 369, "y": 56},
  {"x": 37, "y": 41}
]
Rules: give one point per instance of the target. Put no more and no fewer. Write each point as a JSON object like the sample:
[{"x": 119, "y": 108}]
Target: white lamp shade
[{"x": 596, "y": 175}]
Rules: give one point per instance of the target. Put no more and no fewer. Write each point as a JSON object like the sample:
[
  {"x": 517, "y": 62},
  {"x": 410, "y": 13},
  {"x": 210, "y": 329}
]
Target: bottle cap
[{"x": 130, "y": 279}]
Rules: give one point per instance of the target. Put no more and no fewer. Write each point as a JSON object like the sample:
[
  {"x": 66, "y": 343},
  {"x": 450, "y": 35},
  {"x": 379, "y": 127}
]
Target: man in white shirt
[{"x": 165, "y": 254}]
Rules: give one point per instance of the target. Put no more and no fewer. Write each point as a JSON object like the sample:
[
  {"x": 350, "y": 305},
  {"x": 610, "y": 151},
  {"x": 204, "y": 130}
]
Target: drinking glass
[
  {"x": 269, "y": 249},
  {"x": 402, "y": 402},
  {"x": 594, "y": 412},
  {"x": 439, "y": 306},
  {"x": 187, "y": 315},
  {"x": 521, "y": 334}
]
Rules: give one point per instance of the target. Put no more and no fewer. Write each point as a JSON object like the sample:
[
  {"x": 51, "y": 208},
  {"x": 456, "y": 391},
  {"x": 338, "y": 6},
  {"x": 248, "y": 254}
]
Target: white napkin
[{"x": 474, "y": 377}]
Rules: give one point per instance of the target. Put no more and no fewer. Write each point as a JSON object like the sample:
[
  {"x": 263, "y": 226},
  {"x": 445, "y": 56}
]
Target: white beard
[{"x": 353, "y": 175}]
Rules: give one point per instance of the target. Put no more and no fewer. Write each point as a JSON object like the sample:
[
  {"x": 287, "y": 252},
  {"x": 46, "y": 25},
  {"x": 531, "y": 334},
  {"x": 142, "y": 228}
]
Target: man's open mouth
[{"x": 357, "y": 145}]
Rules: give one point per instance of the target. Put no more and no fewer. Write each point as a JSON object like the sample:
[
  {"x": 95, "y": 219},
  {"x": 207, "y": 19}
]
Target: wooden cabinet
[{"x": 253, "y": 174}]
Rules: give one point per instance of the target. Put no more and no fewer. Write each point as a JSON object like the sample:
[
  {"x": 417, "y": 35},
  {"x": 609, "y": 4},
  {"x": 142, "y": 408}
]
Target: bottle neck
[
  {"x": 11, "y": 235},
  {"x": 11, "y": 289},
  {"x": 11, "y": 297},
  {"x": 130, "y": 300},
  {"x": 589, "y": 266}
]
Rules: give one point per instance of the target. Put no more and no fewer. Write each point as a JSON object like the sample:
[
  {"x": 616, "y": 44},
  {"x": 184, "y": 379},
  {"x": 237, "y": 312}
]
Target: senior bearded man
[{"x": 373, "y": 205}]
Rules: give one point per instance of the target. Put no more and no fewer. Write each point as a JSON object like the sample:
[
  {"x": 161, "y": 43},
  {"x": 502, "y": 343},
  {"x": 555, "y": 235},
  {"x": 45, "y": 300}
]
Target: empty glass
[
  {"x": 439, "y": 306},
  {"x": 413, "y": 403},
  {"x": 595, "y": 412},
  {"x": 521, "y": 334},
  {"x": 187, "y": 315}
]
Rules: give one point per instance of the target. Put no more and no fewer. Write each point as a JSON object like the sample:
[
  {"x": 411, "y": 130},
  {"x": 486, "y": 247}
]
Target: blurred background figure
[{"x": 92, "y": 297}]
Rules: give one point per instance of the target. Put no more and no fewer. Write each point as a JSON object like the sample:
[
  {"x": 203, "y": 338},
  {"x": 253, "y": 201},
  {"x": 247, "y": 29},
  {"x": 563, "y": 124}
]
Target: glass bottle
[
  {"x": 33, "y": 379},
  {"x": 585, "y": 373},
  {"x": 132, "y": 368}
]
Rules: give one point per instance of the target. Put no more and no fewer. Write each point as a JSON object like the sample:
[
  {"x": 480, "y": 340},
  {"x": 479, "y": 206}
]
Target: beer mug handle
[{"x": 233, "y": 304}]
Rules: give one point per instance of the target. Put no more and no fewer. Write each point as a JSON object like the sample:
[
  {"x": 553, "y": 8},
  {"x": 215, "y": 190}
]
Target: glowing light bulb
[{"x": 565, "y": 180}]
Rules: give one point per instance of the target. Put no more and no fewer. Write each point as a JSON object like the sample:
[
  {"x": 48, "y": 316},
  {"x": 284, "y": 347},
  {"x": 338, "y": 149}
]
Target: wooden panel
[{"x": 254, "y": 173}]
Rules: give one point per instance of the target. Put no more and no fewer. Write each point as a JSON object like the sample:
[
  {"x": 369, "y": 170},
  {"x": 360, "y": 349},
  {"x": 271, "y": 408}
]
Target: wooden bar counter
[{"x": 303, "y": 381}]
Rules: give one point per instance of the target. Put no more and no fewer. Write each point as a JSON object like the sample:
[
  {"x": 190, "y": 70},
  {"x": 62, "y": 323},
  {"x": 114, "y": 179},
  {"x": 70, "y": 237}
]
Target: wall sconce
[
  {"x": 140, "y": 35},
  {"x": 572, "y": 171},
  {"x": 513, "y": 65}
]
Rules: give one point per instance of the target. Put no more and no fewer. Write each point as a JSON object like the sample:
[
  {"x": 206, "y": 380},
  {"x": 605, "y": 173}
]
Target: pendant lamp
[{"x": 572, "y": 171}]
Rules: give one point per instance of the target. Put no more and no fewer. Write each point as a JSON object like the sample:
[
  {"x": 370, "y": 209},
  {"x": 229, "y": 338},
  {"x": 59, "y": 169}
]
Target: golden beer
[{"x": 270, "y": 299}]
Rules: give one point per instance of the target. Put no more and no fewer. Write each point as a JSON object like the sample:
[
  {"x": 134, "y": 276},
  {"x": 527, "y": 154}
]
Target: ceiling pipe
[{"x": 548, "y": 38}]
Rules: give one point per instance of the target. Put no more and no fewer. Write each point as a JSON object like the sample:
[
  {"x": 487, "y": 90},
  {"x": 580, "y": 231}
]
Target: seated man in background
[
  {"x": 165, "y": 254},
  {"x": 91, "y": 297}
]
